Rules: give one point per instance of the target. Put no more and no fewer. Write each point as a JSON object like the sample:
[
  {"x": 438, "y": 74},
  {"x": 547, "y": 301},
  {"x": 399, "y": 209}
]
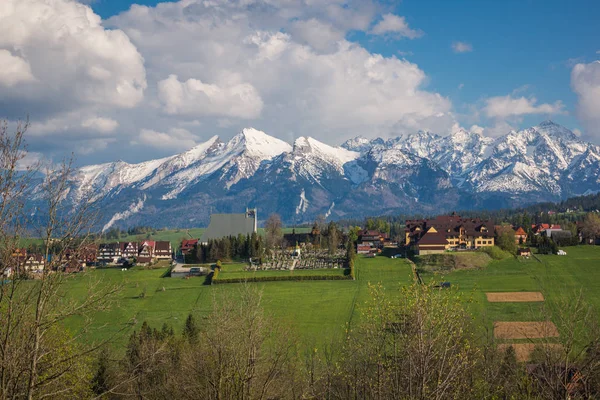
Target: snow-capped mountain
[{"x": 423, "y": 172}]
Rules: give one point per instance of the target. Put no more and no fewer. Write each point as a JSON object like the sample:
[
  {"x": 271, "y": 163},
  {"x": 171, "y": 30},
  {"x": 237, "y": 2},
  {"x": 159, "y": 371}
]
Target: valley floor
[{"x": 320, "y": 311}]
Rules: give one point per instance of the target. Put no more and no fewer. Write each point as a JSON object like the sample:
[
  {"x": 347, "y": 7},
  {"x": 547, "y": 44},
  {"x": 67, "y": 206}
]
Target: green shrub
[{"x": 495, "y": 252}]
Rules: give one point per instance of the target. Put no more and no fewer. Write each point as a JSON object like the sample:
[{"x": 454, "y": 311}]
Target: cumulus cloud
[
  {"x": 397, "y": 25},
  {"x": 585, "y": 81},
  {"x": 176, "y": 139},
  {"x": 209, "y": 66},
  {"x": 100, "y": 124},
  {"x": 462, "y": 47},
  {"x": 14, "y": 69},
  {"x": 508, "y": 106},
  {"x": 196, "y": 98},
  {"x": 291, "y": 85},
  {"x": 321, "y": 36},
  {"x": 74, "y": 59}
]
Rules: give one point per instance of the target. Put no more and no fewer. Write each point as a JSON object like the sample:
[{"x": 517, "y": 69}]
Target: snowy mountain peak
[
  {"x": 555, "y": 130},
  {"x": 422, "y": 172},
  {"x": 258, "y": 143},
  {"x": 306, "y": 145}
]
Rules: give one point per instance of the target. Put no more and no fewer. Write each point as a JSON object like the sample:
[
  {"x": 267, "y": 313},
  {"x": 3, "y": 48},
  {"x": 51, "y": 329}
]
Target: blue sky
[
  {"x": 524, "y": 45},
  {"x": 184, "y": 71}
]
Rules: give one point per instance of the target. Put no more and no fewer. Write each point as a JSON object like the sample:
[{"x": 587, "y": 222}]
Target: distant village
[{"x": 444, "y": 233}]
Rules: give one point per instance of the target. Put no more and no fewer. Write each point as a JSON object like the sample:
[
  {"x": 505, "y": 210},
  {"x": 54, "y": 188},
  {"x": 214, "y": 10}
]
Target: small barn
[{"x": 525, "y": 252}]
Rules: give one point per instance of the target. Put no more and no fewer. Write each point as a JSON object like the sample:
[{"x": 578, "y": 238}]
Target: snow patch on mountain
[
  {"x": 303, "y": 204},
  {"x": 133, "y": 209}
]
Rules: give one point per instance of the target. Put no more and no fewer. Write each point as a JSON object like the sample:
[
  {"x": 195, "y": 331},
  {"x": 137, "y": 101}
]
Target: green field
[
  {"x": 320, "y": 310},
  {"x": 554, "y": 276},
  {"x": 317, "y": 310}
]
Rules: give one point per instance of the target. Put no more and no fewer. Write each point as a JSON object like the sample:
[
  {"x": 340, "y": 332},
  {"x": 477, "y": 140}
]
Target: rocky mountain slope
[{"x": 419, "y": 173}]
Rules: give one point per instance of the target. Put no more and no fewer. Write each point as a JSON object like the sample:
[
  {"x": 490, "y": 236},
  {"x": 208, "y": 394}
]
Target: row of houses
[
  {"x": 144, "y": 252},
  {"x": 436, "y": 235},
  {"x": 70, "y": 260},
  {"x": 372, "y": 242}
]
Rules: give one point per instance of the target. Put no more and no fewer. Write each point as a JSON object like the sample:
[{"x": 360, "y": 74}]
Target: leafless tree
[
  {"x": 273, "y": 232},
  {"x": 38, "y": 357},
  {"x": 421, "y": 347},
  {"x": 241, "y": 354},
  {"x": 591, "y": 227},
  {"x": 567, "y": 367}
]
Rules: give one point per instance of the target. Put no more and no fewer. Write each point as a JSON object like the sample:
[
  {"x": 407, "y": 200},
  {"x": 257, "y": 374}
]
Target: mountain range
[{"x": 418, "y": 173}]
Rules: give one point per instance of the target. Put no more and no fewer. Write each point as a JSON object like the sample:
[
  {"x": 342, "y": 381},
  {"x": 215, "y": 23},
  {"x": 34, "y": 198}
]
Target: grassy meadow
[
  {"x": 317, "y": 310},
  {"x": 556, "y": 277}
]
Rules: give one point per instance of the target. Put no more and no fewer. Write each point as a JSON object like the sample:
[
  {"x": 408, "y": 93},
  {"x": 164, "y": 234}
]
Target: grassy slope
[
  {"x": 318, "y": 310},
  {"x": 555, "y": 276}
]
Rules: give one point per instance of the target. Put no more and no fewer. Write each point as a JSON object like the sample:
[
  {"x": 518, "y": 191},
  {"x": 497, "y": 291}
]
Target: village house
[
  {"x": 371, "y": 241},
  {"x": 538, "y": 229},
  {"x": 520, "y": 236},
  {"x": 431, "y": 236},
  {"x": 146, "y": 252},
  {"x": 364, "y": 249},
  {"x": 188, "y": 246},
  {"x": 34, "y": 263},
  {"x": 130, "y": 249},
  {"x": 163, "y": 250},
  {"x": 109, "y": 253}
]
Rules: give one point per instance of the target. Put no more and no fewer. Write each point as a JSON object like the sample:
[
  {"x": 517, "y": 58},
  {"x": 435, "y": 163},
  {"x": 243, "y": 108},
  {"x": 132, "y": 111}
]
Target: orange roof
[{"x": 520, "y": 231}]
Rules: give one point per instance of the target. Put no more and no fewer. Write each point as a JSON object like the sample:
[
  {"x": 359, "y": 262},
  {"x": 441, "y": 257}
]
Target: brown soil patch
[
  {"x": 507, "y": 297},
  {"x": 525, "y": 330},
  {"x": 523, "y": 350}
]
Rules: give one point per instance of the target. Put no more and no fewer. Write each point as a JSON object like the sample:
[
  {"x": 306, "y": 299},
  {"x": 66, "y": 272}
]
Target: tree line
[{"x": 241, "y": 247}]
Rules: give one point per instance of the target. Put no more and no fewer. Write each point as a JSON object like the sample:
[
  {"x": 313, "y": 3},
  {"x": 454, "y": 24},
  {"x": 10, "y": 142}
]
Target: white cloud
[
  {"x": 176, "y": 139},
  {"x": 100, "y": 124},
  {"x": 209, "y": 66},
  {"x": 74, "y": 123},
  {"x": 321, "y": 36},
  {"x": 30, "y": 160},
  {"x": 460, "y": 86},
  {"x": 196, "y": 98},
  {"x": 289, "y": 83},
  {"x": 93, "y": 145},
  {"x": 507, "y": 106},
  {"x": 397, "y": 25},
  {"x": 462, "y": 47},
  {"x": 14, "y": 69},
  {"x": 74, "y": 60},
  {"x": 585, "y": 81},
  {"x": 477, "y": 129}
]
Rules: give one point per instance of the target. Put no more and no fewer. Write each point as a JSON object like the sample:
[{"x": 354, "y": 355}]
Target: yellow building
[{"x": 429, "y": 236}]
